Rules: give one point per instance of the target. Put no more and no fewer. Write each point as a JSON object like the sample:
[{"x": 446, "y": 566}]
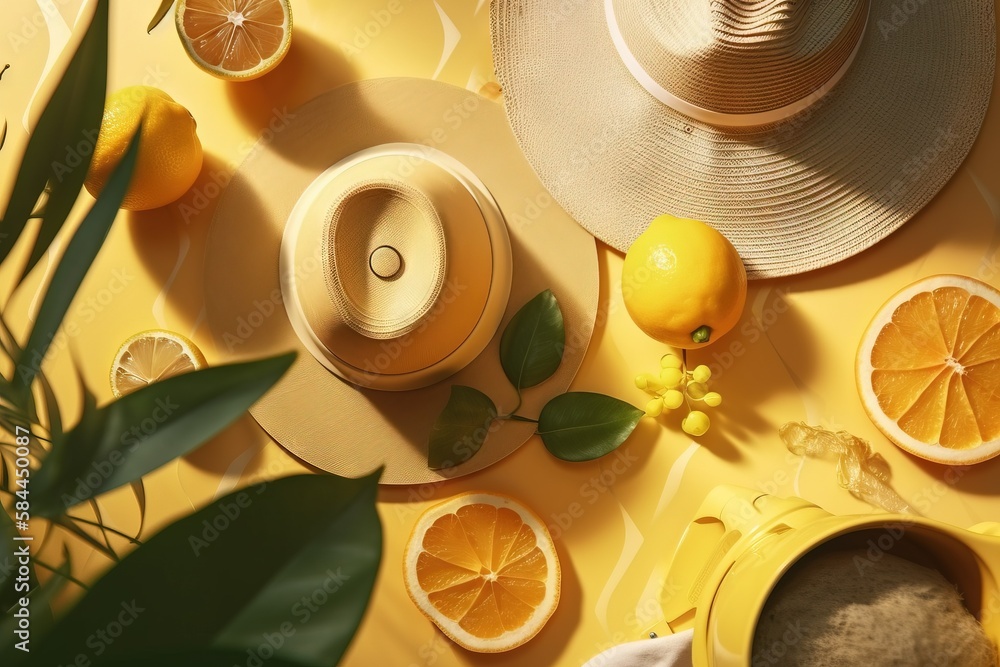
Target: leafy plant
[
  {"x": 161, "y": 11},
  {"x": 3, "y": 131},
  {"x": 208, "y": 602},
  {"x": 576, "y": 426}
]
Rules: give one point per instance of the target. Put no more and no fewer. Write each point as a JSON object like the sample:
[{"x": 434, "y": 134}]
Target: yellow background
[{"x": 616, "y": 521}]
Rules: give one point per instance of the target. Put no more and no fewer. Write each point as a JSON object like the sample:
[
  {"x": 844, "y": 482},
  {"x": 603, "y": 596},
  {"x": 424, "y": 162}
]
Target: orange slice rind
[
  {"x": 235, "y": 39},
  {"x": 484, "y": 569},
  {"x": 928, "y": 370}
]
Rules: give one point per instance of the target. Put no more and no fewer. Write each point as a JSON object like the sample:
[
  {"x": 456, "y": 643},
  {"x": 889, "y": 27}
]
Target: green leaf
[
  {"x": 72, "y": 115},
  {"x": 461, "y": 429},
  {"x": 165, "y": 6},
  {"x": 119, "y": 443},
  {"x": 531, "y": 347},
  {"x": 288, "y": 565},
  {"x": 76, "y": 261},
  {"x": 584, "y": 426}
]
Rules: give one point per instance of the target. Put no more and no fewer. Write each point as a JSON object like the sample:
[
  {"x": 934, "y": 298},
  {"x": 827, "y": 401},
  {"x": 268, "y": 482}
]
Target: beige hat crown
[{"x": 737, "y": 62}]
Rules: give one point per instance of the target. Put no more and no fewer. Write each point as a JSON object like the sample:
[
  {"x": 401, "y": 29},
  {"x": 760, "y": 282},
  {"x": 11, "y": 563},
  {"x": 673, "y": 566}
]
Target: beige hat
[
  {"x": 805, "y": 131},
  {"x": 383, "y": 234}
]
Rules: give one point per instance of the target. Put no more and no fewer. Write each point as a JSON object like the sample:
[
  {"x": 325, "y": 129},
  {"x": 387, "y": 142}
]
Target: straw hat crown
[{"x": 740, "y": 56}]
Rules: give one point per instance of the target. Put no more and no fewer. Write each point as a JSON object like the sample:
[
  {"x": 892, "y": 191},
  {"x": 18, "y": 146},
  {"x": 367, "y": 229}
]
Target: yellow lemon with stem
[{"x": 684, "y": 283}]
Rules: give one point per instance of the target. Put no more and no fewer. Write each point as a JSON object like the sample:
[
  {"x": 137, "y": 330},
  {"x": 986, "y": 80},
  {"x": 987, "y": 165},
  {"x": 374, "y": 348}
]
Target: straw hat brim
[
  {"x": 792, "y": 196},
  {"x": 317, "y": 416}
]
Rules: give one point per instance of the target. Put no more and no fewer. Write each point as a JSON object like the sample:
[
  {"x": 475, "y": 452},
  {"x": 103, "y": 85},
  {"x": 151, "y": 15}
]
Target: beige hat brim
[
  {"x": 317, "y": 416},
  {"x": 791, "y": 196}
]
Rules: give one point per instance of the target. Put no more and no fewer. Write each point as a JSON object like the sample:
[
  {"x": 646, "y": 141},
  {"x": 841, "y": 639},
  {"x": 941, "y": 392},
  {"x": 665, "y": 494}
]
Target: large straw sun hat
[{"x": 804, "y": 130}]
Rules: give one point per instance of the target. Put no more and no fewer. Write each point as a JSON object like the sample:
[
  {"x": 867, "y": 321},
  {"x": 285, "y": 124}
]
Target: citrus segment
[
  {"x": 235, "y": 39},
  {"x": 152, "y": 356},
  {"x": 484, "y": 569},
  {"x": 929, "y": 369}
]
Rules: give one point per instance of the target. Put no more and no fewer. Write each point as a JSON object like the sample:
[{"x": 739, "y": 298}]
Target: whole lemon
[
  {"x": 170, "y": 153},
  {"x": 684, "y": 283}
]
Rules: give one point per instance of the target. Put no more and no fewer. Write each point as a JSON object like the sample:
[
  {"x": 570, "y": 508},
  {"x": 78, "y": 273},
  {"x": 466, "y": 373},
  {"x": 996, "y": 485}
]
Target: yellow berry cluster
[{"x": 675, "y": 386}]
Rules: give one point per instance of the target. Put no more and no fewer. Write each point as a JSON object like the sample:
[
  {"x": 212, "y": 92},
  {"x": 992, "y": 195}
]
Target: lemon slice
[
  {"x": 235, "y": 40},
  {"x": 152, "y": 356},
  {"x": 484, "y": 569},
  {"x": 928, "y": 370}
]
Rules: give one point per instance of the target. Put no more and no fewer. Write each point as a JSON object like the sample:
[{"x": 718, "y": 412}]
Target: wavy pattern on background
[
  {"x": 452, "y": 36},
  {"x": 59, "y": 36},
  {"x": 815, "y": 406},
  {"x": 674, "y": 478},
  {"x": 630, "y": 549},
  {"x": 159, "y": 305}
]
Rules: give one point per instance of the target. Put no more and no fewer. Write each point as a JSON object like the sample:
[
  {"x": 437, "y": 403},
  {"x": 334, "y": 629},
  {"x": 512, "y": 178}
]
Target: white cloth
[{"x": 671, "y": 651}]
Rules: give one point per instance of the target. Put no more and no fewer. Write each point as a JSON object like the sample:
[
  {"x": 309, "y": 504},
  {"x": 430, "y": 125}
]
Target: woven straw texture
[
  {"x": 791, "y": 196},
  {"x": 706, "y": 52},
  {"x": 374, "y": 214}
]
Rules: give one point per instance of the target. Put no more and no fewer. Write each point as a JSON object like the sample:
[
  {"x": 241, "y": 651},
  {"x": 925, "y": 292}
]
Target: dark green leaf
[
  {"x": 117, "y": 444},
  {"x": 139, "y": 491},
  {"x": 461, "y": 429},
  {"x": 583, "y": 426},
  {"x": 72, "y": 115},
  {"x": 76, "y": 261},
  {"x": 288, "y": 565},
  {"x": 165, "y": 6},
  {"x": 531, "y": 347}
]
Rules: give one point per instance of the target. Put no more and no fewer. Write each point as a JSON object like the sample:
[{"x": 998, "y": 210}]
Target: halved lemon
[
  {"x": 484, "y": 569},
  {"x": 928, "y": 369},
  {"x": 235, "y": 39},
  {"x": 152, "y": 356}
]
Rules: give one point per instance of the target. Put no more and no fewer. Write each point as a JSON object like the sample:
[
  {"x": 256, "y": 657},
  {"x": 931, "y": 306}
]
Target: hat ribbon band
[{"x": 719, "y": 117}]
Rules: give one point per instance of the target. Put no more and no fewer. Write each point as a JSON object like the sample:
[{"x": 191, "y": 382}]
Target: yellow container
[{"x": 742, "y": 542}]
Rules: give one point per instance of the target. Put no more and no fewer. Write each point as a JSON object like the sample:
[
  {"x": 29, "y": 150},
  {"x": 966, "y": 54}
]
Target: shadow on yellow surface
[
  {"x": 171, "y": 240},
  {"x": 310, "y": 68}
]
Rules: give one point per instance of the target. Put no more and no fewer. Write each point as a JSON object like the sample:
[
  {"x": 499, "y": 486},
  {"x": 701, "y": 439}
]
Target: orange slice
[
  {"x": 235, "y": 39},
  {"x": 928, "y": 370},
  {"x": 151, "y": 356},
  {"x": 484, "y": 569}
]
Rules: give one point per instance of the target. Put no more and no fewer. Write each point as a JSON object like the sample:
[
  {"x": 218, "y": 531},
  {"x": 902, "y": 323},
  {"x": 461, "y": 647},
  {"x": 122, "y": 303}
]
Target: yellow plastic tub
[{"x": 743, "y": 541}]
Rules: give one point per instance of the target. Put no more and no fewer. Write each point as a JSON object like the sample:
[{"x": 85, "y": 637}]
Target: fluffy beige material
[{"x": 844, "y": 608}]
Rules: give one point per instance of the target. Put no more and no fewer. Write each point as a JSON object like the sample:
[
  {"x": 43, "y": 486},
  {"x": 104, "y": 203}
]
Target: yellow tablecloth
[{"x": 615, "y": 521}]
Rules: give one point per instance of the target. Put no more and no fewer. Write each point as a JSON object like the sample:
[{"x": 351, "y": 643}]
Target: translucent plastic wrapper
[{"x": 860, "y": 470}]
